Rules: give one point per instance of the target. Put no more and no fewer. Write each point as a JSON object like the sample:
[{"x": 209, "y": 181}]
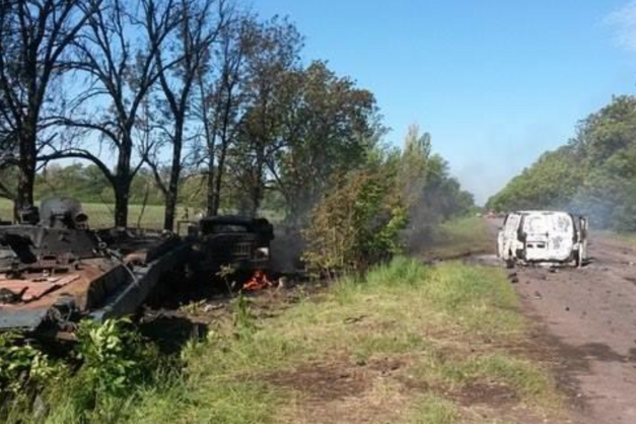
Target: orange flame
[{"x": 258, "y": 282}]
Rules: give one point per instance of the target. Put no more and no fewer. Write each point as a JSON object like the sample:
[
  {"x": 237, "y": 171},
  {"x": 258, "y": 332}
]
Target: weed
[{"x": 435, "y": 410}]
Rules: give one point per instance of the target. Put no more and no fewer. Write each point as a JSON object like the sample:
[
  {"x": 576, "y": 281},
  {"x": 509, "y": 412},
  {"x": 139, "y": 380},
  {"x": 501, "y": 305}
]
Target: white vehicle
[{"x": 536, "y": 237}]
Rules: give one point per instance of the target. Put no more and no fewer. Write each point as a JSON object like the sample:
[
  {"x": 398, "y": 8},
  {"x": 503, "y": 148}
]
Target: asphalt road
[{"x": 591, "y": 314}]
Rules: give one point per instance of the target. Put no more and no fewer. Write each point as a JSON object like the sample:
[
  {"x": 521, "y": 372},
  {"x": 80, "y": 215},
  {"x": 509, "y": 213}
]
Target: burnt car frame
[
  {"x": 238, "y": 242},
  {"x": 543, "y": 237}
]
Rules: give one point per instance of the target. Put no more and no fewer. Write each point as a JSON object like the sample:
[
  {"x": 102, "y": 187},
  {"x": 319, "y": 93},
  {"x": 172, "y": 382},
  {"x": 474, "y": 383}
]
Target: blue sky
[{"x": 496, "y": 82}]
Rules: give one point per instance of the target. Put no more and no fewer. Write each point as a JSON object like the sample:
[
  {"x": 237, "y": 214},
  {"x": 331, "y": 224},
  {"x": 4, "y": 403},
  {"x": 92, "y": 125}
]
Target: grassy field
[
  {"x": 407, "y": 344},
  {"x": 101, "y": 214},
  {"x": 461, "y": 237}
]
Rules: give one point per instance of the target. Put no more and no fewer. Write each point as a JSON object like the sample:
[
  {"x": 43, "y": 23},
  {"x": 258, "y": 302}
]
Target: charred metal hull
[{"x": 56, "y": 272}]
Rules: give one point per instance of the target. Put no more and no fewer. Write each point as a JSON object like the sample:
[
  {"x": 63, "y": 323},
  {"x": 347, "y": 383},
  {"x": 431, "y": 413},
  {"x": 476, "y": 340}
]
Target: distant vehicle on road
[{"x": 543, "y": 237}]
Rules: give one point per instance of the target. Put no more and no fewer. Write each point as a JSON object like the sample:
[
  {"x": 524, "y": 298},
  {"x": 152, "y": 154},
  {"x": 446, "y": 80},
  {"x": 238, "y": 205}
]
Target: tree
[
  {"x": 593, "y": 174},
  {"x": 273, "y": 51},
  {"x": 328, "y": 127},
  {"x": 221, "y": 102},
  {"x": 188, "y": 46},
  {"x": 122, "y": 74},
  {"x": 34, "y": 37}
]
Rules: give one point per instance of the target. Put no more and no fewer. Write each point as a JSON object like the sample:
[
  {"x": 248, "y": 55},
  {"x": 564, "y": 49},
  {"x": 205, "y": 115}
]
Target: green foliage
[
  {"x": 357, "y": 223},
  {"x": 431, "y": 194},
  {"x": 23, "y": 367},
  {"x": 114, "y": 357},
  {"x": 244, "y": 325},
  {"x": 593, "y": 175}
]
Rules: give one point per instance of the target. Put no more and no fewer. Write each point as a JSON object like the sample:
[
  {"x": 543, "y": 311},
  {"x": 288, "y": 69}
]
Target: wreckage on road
[
  {"x": 543, "y": 237},
  {"x": 54, "y": 271}
]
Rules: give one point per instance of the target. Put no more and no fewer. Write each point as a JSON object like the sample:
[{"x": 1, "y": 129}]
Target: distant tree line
[
  {"x": 593, "y": 174},
  {"x": 174, "y": 101}
]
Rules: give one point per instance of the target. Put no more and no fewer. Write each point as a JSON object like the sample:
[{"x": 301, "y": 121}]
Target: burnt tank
[{"x": 55, "y": 271}]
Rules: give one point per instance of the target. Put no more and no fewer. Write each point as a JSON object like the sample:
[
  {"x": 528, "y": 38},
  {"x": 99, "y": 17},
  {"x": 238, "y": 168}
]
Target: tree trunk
[
  {"x": 257, "y": 190},
  {"x": 171, "y": 211},
  {"x": 27, "y": 167},
  {"x": 219, "y": 180},
  {"x": 210, "y": 191},
  {"x": 175, "y": 176},
  {"x": 122, "y": 192}
]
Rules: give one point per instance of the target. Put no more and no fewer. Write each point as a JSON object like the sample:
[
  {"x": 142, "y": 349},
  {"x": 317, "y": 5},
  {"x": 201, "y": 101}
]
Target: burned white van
[{"x": 543, "y": 237}]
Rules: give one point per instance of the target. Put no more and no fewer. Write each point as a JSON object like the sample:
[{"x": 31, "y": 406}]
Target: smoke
[{"x": 286, "y": 249}]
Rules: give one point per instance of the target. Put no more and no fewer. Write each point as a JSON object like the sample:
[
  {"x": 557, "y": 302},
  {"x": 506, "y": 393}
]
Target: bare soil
[{"x": 589, "y": 318}]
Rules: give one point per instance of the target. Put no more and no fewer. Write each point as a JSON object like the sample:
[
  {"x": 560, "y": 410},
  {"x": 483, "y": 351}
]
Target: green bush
[
  {"x": 23, "y": 367},
  {"x": 356, "y": 224}
]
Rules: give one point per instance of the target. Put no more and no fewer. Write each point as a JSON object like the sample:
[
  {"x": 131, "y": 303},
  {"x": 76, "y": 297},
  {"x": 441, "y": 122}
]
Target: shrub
[
  {"x": 356, "y": 224},
  {"x": 23, "y": 367}
]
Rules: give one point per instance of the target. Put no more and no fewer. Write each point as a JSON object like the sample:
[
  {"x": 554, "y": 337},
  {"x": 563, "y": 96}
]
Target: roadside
[
  {"x": 457, "y": 239},
  {"x": 409, "y": 343}
]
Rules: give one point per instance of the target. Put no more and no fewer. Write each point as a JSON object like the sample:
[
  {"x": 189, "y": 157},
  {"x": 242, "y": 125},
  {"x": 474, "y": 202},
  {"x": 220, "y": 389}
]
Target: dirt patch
[
  {"x": 324, "y": 382},
  {"x": 341, "y": 392},
  {"x": 495, "y": 396}
]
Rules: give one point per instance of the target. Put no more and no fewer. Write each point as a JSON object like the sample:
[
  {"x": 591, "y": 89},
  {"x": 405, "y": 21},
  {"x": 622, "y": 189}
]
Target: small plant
[
  {"x": 114, "y": 357},
  {"x": 357, "y": 224},
  {"x": 244, "y": 325},
  {"x": 23, "y": 367},
  {"x": 225, "y": 273}
]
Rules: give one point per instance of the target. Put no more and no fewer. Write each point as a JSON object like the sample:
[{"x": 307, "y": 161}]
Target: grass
[
  {"x": 461, "y": 237},
  {"x": 101, "y": 214},
  {"x": 151, "y": 217},
  {"x": 629, "y": 238},
  {"x": 446, "y": 327}
]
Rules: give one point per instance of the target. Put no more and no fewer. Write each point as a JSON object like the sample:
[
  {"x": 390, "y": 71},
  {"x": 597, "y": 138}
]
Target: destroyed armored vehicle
[
  {"x": 54, "y": 271},
  {"x": 231, "y": 241},
  {"x": 543, "y": 237}
]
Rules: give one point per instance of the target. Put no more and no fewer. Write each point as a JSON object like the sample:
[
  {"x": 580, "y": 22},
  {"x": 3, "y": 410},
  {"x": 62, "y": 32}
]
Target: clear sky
[{"x": 496, "y": 82}]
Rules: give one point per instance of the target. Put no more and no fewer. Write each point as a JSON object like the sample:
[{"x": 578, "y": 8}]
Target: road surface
[{"x": 591, "y": 314}]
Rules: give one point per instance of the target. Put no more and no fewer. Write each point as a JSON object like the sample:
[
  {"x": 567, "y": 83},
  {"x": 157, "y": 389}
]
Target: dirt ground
[{"x": 589, "y": 316}]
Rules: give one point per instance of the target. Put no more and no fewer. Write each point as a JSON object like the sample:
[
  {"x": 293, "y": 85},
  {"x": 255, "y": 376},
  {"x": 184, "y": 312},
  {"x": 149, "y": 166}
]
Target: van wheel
[{"x": 577, "y": 260}]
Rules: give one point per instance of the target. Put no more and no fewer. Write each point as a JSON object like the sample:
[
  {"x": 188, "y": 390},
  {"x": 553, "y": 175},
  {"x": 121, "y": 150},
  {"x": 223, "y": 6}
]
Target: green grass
[
  {"x": 447, "y": 326},
  {"x": 461, "y": 237},
  {"x": 101, "y": 214},
  {"x": 435, "y": 410}
]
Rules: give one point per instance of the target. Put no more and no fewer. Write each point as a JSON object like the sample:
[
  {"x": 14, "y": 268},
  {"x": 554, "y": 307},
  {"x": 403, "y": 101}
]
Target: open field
[
  {"x": 407, "y": 344},
  {"x": 459, "y": 238},
  {"x": 101, "y": 214}
]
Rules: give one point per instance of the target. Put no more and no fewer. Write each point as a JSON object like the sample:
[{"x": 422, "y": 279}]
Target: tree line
[
  {"x": 175, "y": 101},
  {"x": 593, "y": 174}
]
